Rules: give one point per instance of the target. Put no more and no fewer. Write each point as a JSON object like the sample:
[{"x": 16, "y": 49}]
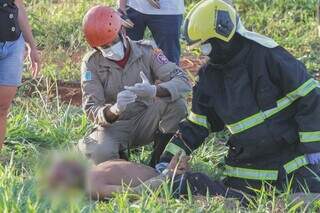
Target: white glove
[
  {"x": 144, "y": 89},
  {"x": 123, "y": 99}
]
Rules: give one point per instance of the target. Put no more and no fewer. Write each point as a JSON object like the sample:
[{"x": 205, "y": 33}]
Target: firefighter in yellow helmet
[{"x": 261, "y": 94}]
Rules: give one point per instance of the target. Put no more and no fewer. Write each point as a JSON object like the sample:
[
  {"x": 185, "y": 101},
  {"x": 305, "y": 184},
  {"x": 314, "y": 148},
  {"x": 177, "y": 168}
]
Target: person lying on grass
[{"x": 115, "y": 176}]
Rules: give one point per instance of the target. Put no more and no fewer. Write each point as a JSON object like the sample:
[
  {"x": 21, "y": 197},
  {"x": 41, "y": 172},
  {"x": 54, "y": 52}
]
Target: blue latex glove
[{"x": 314, "y": 158}]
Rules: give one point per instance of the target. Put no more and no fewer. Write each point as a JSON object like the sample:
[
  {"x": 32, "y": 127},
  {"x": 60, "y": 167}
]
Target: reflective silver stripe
[
  {"x": 307, "y": 137},
  {"x": 283, "y": 103},
  {"x": 200, "y": 120},
  {"x": 252, "y": 174},
  {"x": 295, "y": 164}
]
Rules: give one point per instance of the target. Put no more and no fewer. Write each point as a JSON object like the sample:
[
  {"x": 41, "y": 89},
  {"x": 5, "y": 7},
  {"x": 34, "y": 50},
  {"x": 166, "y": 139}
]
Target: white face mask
[
  {"x": 115, "y": 52},
  {"x": 206, "y": 48}
]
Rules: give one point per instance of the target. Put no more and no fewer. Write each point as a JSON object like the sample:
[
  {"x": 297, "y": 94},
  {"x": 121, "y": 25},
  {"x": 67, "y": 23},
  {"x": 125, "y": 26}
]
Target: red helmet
[{"x": 101, "y": 25}]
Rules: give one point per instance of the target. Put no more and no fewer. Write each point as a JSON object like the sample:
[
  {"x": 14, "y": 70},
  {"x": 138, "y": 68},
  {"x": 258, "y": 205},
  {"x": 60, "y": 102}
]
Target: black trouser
[
  {"x": 201, "y": 184},
  {"x": 305, "y": 179}
]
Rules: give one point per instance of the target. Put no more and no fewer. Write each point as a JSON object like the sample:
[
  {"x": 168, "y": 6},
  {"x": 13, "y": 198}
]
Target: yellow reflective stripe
[
  {"x": 296, "y": 164},
  {"x": 255, "y": 174},
  {"x": 200, "y": 120},
  {"x": 174, "y": 149},
  {"x": 307, "y": 137},
  {"x": 283, "y": 103},
  {"x": 246, "y": 123},
  {"x": 252, "y": 174}
]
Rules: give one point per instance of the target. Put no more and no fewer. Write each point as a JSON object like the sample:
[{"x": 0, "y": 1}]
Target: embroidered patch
[
  {"x": 160, "y": 57},
  {"x": 176, "y": 73},
  {"x": 87, "y": 76}
]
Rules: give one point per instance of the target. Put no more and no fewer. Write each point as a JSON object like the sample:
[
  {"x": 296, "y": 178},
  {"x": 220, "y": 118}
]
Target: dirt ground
[{"x": 70, "y": 92}]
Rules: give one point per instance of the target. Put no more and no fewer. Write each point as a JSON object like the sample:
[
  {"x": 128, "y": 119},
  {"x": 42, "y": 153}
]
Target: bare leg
[{"x": 6, "y": 96}]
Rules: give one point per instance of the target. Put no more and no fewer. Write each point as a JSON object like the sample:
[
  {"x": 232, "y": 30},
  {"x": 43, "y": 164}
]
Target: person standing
[
  {"x": 163, "y": 18},
  {"x": 15, "y": 31}
]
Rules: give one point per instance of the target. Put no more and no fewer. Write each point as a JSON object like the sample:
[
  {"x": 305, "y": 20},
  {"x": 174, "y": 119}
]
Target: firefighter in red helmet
[{"x": 119, "y": 91}]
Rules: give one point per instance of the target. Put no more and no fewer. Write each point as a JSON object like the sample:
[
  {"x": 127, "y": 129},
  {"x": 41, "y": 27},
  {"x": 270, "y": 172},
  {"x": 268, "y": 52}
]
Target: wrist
[
  {"x": 167, "y": 173},
  {"x": 114, "y": 109},
  {"x": 160, "y": 167}
]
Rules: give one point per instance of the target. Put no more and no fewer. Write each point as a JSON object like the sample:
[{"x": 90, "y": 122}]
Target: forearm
[
  {"x": 97, "y": 113},
  {"x": 178, "y": 86},
  {"x": 24, "y": 24}
]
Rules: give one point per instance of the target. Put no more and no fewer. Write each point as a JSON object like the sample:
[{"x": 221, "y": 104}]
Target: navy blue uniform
[{"x": 271, "y": 107}]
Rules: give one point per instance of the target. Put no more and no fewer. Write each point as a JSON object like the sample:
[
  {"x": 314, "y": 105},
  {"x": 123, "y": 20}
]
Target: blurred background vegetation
[{"x": 57, "y": 28}]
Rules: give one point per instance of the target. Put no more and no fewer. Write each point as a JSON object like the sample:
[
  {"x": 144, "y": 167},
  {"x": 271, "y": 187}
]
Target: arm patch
[
  {"x": 177, "y": 73},
  {"x": 160, "y": 57}
]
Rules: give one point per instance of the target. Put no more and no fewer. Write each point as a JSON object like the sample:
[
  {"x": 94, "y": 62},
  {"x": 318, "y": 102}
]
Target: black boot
[{"x": 160, "y": 142}]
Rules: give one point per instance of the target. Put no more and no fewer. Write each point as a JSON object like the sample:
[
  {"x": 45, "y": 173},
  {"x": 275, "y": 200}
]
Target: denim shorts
[{"x": 11, "y": 62}]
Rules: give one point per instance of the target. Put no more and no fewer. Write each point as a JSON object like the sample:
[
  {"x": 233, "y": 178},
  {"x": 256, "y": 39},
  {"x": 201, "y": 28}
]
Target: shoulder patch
[
  {"x": 87, "y": 76},
  {"x": 160, "y": 57}
]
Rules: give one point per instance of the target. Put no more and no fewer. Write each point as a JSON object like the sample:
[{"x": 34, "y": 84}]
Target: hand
[
  {"x": 34, "y": 57},
  {"x": 154, "y": 3},
  {"x": 144, "y": 89},
  {"x": 123, "y": 99},
  {"x": 179, "y": 164}
]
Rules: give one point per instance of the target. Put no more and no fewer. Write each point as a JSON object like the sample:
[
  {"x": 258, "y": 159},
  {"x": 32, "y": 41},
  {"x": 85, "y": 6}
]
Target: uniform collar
[
  {"x": 136, "y": 52},
  {"x": 236, "y": 60}
]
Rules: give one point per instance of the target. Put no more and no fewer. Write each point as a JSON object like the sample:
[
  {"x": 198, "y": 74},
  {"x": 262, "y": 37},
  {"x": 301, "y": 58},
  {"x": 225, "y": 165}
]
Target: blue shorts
[{"x": 11, "y": 62}]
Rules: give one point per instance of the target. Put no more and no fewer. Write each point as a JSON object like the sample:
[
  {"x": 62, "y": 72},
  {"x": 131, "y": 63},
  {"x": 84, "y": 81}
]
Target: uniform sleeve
[
  {"x": 301, "y": 89},
  {"x": 172, "y": 77},
  {"x": 194, "y": 130},
  {"x": 93, "y": 95}
]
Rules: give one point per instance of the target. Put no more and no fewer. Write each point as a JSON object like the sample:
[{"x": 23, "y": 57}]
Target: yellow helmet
[{"x": 210, "y": 19}]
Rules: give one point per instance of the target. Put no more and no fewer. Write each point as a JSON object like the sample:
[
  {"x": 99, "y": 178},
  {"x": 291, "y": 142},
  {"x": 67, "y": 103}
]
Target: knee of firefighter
[
  {"x": 98, "y": 152},
  {"x": 178, "y": 109},
  {"x": 86, "y": 146}
]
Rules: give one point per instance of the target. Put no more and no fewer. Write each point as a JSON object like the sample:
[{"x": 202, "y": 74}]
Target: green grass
[
  {"x": 57, "y": 28},
  {"x": 39, "y": 122}
]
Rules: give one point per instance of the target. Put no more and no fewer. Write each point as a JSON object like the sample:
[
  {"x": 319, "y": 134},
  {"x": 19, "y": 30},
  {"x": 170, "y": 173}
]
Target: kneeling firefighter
[
  {"x": 119, "y": 94},
  {"x": 261, "y": 94}
]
